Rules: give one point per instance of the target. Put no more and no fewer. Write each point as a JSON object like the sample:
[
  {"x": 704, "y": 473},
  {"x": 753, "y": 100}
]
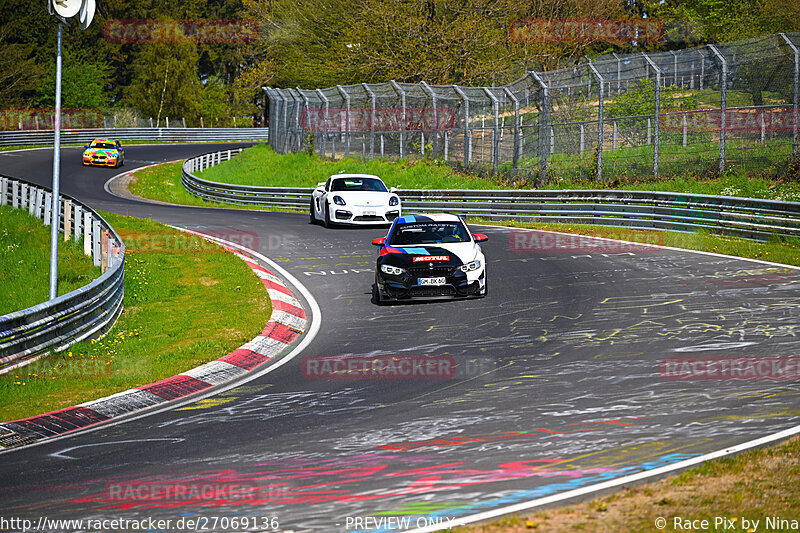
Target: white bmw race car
[
  {"x": 354, "y": 199},
  {"x": 429, "y": 256}
]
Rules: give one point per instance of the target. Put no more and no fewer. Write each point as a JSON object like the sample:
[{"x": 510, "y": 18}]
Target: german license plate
[{"x": 430, "y": 281}]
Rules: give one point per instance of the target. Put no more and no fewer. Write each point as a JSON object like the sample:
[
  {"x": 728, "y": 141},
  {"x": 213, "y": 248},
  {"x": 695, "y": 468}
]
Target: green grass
[
  {"x": 753, "y": 485},
  {"x": 786, "y": 252},
  {"x": 25, "y": 262},
  {"x": 187, "y": 302},
  {"x": 261, "y": 166}
]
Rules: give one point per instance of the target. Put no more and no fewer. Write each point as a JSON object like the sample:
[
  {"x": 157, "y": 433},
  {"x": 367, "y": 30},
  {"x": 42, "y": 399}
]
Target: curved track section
[{"x": 560, "y": 384}]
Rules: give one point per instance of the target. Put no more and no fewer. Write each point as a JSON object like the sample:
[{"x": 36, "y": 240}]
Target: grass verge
[
  {"x": 787, "y": 252},
  {"x": 25, "y": 262},
  {"x": 260, "y": 165},
  {"x": 187, "y": 302},
  {"x": 751, "y": 486}
]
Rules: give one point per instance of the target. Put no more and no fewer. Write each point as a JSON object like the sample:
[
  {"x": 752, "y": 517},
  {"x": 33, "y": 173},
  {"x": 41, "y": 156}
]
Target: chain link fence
[{"x": 702, "y": 110}]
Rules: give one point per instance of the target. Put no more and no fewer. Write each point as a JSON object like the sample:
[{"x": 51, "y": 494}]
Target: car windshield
[
  {"x": 358, "y": 184},
  {"x": 428, "y": 233},
  {"x": 107, "y": 146}
]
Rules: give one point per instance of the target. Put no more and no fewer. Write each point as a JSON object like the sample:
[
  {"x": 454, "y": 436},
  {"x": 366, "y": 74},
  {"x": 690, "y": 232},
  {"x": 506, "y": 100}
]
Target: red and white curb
[{"x": 287, "y": 321}]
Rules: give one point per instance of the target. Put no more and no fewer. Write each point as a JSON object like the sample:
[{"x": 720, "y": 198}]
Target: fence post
[
  {"x": 515, "y": 159},
  {"x": 327, "y": 118},
  {"x": 346, "y": 120},
  {"x": 674, "y": 67},
  {"x": 723, "y": 106},
  {"x": 467, "y": 131},
  {"x": 435, "y": 134},
  {"x": 371, "y": 121},
  {"x": 305, "y": 103},
  {"x": 619, "y": 71},
  {"x": 402, "y": 94},
  {"x": 796, "y": 93},
  {"x": 702, "y": 68},
  {"x": 657, "y": 115},
  {"x": 297, "y": 128},
  {"x": 543, "y": 124},
  {"x": 495, "y": 132},
  {"x": 599, "y": 122}
]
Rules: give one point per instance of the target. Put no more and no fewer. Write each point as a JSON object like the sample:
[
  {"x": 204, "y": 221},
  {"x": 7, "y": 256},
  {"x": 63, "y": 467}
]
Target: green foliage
[
  {"x": 83, "y": 82},
  {"x": 166, "y": 82}
]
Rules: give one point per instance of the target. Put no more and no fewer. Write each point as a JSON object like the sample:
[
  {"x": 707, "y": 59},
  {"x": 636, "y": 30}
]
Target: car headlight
[
  {"x": 338, "y": 200},
  {"x": 394, "y": 200},
  {"x": 472, "y": 265},
  {"x": 392, "y": 270}
]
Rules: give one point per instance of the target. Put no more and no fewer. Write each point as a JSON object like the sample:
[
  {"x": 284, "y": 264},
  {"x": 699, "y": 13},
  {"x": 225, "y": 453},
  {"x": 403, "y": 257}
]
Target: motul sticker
[{"x": 421, "y": 258}]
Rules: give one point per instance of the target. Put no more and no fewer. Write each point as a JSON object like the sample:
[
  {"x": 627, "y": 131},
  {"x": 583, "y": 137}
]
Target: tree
[
  {"x": 83, "y": 82},
  {"x": 20, "y": 74},
  {"x": 166, "y": 83}
]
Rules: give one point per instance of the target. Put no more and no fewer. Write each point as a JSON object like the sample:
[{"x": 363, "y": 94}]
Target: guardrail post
[
  {"x": 399, "y": 90},
  {"x": 467, "y": 131},
  {"x": 796, "y": 94},
  {"x": 48, "y": 203},
  {"x": 78, "y": 222},
  {"x": 327, "y": 119},
  {"x": 67, "y": 219},
  {"x": 39, "y": 203},
  {"x": 599, "y": 122},
  {"x": 87, "y": 233},
  {"x": 543, "y": 124},
  {"x": 517, "y": 128},
  {"x": 15, "y": 194},
  {"x": 371, "y": 121},
  {"x": 346, "y": 119},
  {"x": 3, "y": 191},
  {"x": 495, "y": 132},
  {"x": 435, "y": 133},
  {"x": 103, "y": 250},
  {"x": 96, "y": 242},
  {"x": 723, "y": 106},
  {"x": 657, "y": 114}
]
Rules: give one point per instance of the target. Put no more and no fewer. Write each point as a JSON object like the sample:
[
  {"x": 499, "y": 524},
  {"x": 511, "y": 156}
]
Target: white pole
[{"x": 54, "y": 222}]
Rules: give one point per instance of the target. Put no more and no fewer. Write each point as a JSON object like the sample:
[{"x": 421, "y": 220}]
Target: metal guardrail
[
  {"x": 57, "y": 324},
  {"x": 747, "y": 218},
  {"x": 45, "y": 137}
]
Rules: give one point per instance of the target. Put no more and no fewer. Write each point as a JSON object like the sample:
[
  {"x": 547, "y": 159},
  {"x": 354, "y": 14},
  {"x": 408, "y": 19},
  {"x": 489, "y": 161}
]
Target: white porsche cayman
[{"x": 354, "y": 199}]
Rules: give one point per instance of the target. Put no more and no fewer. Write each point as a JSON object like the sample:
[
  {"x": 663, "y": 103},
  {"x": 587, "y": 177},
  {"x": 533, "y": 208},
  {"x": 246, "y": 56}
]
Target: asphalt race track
[{"x": 559, "y": 383}]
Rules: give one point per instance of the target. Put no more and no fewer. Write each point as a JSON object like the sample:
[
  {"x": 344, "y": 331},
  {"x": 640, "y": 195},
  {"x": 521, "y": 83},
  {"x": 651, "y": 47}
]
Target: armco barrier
[
  {"x": 55, "y": 325},
  {"x": 746, "y": 218},
  {"x": 33, "y": 137}
]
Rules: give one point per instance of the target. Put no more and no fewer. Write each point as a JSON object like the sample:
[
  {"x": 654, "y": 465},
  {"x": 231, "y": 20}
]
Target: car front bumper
[
  {"x": 346, "y": 214},
  {"x": 406, "y": 286}
]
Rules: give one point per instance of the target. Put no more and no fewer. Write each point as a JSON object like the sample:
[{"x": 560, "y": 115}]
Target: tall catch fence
[{"x": 703, "y": 110}]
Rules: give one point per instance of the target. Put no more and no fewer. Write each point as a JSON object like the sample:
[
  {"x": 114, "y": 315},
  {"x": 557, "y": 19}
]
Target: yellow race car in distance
[{"x": 104, "y": 153}]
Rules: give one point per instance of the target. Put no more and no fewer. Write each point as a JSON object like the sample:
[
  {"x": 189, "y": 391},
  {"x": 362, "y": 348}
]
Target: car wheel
[
  {"x": 327, "y": 220},
  {"x": 311, "y": 218},
  {"x": 376, "y": 295}
]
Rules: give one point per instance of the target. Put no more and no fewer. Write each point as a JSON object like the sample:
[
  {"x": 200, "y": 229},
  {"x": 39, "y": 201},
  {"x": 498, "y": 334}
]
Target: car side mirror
[
  {"x": 480, "y": 237},
  {"x": 379, "y": 241},
  {"x": 85, "y": 146}
]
